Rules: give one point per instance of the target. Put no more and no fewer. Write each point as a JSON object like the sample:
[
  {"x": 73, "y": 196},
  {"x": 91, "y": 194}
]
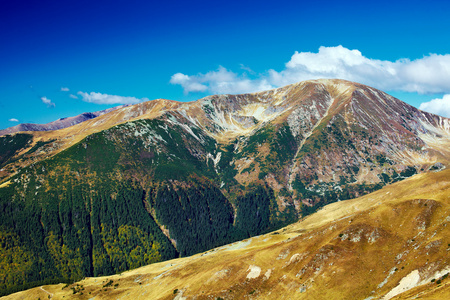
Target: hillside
[
  {"x": 390, "y": 244},
  {"x": 163, "y": 179}
]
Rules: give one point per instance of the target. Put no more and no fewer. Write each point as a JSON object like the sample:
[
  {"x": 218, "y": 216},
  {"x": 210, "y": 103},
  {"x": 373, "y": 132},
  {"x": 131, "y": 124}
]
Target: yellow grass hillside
[{"x": 391, "y": 244}]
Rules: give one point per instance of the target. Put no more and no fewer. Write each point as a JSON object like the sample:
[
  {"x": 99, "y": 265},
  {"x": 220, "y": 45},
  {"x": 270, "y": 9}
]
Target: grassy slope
[{"x": 351, "y": 249}]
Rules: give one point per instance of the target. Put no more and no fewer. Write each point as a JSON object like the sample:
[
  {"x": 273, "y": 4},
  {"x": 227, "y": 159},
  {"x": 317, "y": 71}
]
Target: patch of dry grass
[{"x": 354, "y": 249}]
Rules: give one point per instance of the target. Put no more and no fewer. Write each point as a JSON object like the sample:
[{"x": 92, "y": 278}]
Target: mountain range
[
  {"x": 58, "y": 124},
  {"x": 163, "y": 179}
]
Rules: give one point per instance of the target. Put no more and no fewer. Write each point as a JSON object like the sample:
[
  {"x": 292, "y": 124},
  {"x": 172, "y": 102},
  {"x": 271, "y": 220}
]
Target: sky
[{"x": 63, "y": 58}]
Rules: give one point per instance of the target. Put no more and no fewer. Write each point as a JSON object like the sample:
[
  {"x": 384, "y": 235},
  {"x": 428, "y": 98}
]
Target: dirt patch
[
  {"x": 255, "y": 271},
  {"x": 408, "y": 282}
]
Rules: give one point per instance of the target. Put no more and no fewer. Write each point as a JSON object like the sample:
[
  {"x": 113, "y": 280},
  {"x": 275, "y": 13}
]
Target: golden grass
[
  {"x": 348, "y": 250},
  {"x": 5, "y": 184}
]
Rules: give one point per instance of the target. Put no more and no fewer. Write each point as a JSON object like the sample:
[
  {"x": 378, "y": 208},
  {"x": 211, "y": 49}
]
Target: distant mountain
[
  {"x": 160, "y": 179},
  {"x": 58, "y": 124}
]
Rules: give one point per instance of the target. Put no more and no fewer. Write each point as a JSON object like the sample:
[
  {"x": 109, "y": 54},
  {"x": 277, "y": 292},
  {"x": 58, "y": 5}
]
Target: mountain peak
[
  {"x": 147, "y": 182},
  {"x": 306, "y": 107}
]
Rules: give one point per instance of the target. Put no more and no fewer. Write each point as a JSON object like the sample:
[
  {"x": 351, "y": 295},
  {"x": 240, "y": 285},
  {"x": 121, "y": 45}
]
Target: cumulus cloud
[
  {"x": 438, "y": 106},
  {"x": 13, "y": 120},
  {"x": 73, "y": 96},
  {"x": 48, "y": 102},
  {"x": 221, "y": 81},
  {"x": 64, "y": 89},
  {"x": 334, "y": 62},
  {"x": 430, "y": 74},
  {"x": 99, "y": 98},
  {"x": 189, "y": 83}
]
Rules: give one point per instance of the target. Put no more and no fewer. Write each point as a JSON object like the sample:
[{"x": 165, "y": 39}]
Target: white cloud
[
  {"x": 189, "y": 83},
  {"x": 13, "y": 120},
  {"x": 438, "y": 106},
  {"x": 334, "y": 62},
  {"x": 248, "y": 69},
  {"x": 99, "y": 98},
  {"x": 64, "y": 89},
  {"x": 220, "y": 81},
  {"x": 73, "y": 96},
  {"x": 48, "y": 102},
  {"x": 430, "y": 74}
]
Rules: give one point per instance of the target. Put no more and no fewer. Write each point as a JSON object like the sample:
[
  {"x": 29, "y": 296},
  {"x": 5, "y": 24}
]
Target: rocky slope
[
  {"x": 351, "y": 132},
  {"x": 181, "y": 178}
]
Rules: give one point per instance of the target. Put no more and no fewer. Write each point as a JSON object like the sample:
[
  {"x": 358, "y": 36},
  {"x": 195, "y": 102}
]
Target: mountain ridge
[
  {"x": 345, "y": 110},
  {"x": 182, "y": 178},
  {"x": 58, "y": 124},
  {"x": 233, "y": 124}
]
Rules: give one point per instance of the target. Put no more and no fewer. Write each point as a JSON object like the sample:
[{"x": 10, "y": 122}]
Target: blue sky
[{"x": 62, "y": 58}]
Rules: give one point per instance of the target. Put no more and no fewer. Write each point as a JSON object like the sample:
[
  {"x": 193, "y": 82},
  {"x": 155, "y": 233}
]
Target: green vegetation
[
  {"x": 325, "y": 193},
  {"x": 408, "y": 172},
  {"x": 108, "y": 284},
  {"x": 38, "y": 145},
  {"x": 253, "y": 213},
  {"x": 71, "y": 217},
  {"x": 85, "y": 212},
  {"x": 257, "y": 213},
  {"x": 394, "y": 176},
  {"x": 65, "y": 236},
  {"x": 263, "y": 135},
  {"x": 77, "y": 289},
  {"x": 250, "y": 168},
  {"x": 282, "y": 149},
  {"x": 281, "y": 143},
  {"x": 442, "y": 278},
  {"x": 11, "y": 144},
  {"x": 225, "y": 167},
  {"x": 199, "y": 218}
]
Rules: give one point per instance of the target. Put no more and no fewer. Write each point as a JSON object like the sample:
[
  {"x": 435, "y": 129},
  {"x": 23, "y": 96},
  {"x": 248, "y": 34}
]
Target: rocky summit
[{"x": 163, "y": 179}]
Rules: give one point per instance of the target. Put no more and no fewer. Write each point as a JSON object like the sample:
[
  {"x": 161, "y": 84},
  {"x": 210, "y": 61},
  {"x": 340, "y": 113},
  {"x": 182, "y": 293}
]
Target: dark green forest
[
  {"x": 10, "y": 145},
  {"x": 96, "y": 208},
  {"x": 199, "y": 218},
  {"x": 76, "y": 232}
]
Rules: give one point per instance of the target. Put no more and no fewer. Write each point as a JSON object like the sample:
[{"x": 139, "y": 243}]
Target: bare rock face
[{"x": 322, "y": 139}]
